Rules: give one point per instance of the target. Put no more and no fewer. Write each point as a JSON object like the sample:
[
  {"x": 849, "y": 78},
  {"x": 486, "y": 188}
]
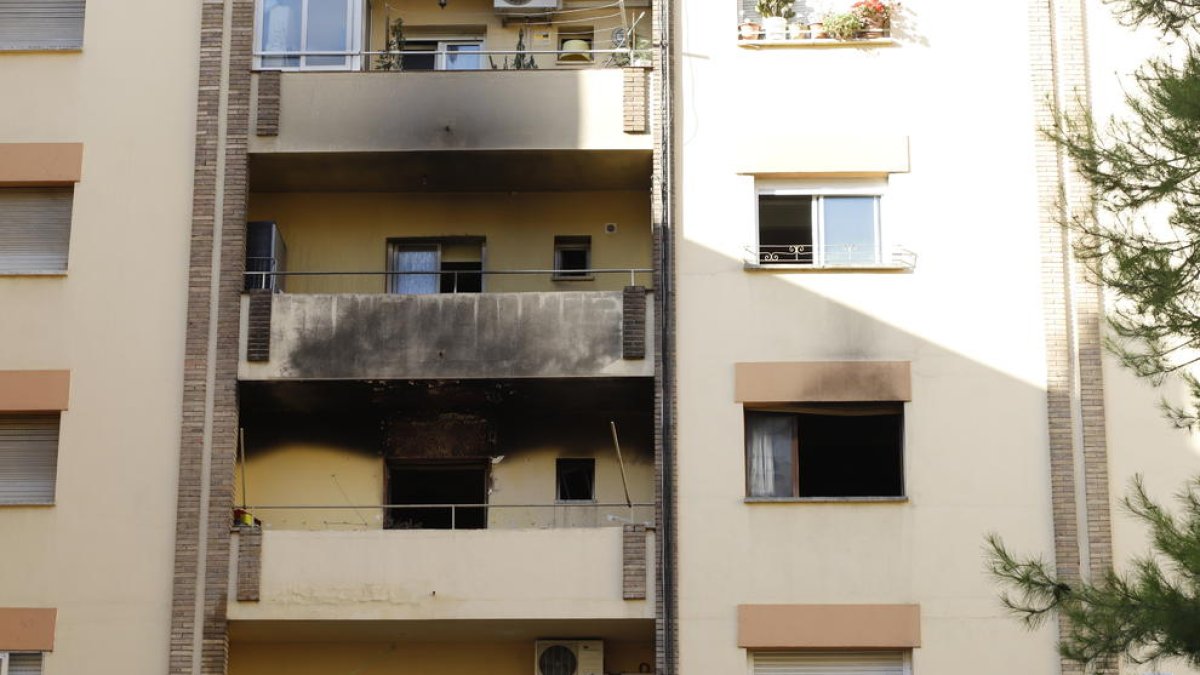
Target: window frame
[
  {"x": 6, "y": 656},
  {"x": 569, "y": 242},
  {"x": 906, "y": 655},
  {"x": 355, "y": 34},
  {"x": 795, "y": 413},
  {"x": 820, "y": 189},
  {"x": 558, "y": 462},
  {"x": 52, "y": 500},
  {"x": 440, "y": 55}
]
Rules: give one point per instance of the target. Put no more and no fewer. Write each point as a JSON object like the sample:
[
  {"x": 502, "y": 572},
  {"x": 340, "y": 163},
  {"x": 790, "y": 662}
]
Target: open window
[
  {"x": 420, "y": 488},
  {"x": 424, "y": 266},
  {"x": 820, "y": 224},
  {"x": 572, "y": 258},
  {"x": 575, "y": 480},
  {"x": 575, "y": 44},
  {"x": 825, "y": 450}
]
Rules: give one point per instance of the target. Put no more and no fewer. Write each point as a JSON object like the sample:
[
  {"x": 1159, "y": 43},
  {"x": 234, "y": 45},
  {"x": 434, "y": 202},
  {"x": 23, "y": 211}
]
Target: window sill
[
  {"x": 818, "y": 43},
  {"x": 22, "y": 505},
  {"x": 41, "y": 50},
  {"x": 891, "y": 268},
  {"x": 589, "y": 277},
  {"x": 826, "y": 500},
  {"x": 33, "y": 273}
]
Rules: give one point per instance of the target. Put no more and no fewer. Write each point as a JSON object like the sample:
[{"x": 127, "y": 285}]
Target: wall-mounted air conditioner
[
  {"x": 527, "y": 6},
  {"x": 568, "y": 657}
]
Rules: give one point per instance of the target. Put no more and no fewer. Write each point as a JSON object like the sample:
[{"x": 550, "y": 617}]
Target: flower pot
[
  {"x": 775, "y": 27},
  {"x": 817, "y": 31},
  {"x": 798, "y": 31},
  {"x": 748, "y": 30}
]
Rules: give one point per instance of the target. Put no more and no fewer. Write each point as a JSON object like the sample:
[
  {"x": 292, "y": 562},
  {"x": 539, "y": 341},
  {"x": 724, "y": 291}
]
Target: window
[
  {"x": 26, "y": 663},
  {"x": 832, "y": 663},
  {"x": 575, "y": 44},
  {"x": 419, "y": 486},
  {"x": 572, "y": 258},
  {"x": 830, "y": 225},
  {"x": 309, "y": 34},
  {"x": 825, "y": 450},
  {"x": 442, "y": 54},
  {"x": 576, "y": 480},
  {"x": 35, "y": 25},
  {"x": 35, "y": 230},
  {"x": 422, "y": 266},
  {"x": 28, "y": 457}
]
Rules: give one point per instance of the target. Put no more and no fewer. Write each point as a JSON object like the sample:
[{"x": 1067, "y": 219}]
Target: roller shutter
[
  {"x": 35, "y": 228},
  {"x": 829, "y": 663},
  {"x": 41, "y": 24},
  {"x": 28, "y": 458},
  {"x": 25, "y": 664}
]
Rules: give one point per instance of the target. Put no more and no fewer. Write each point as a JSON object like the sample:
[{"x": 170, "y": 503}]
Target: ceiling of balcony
[{"x": 449, "y": 171}]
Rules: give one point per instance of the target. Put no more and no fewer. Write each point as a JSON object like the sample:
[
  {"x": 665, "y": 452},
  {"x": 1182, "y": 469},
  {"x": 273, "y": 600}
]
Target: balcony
[
  {"x": 431, "y": 575},
  {"x": 462, "y": 79}
]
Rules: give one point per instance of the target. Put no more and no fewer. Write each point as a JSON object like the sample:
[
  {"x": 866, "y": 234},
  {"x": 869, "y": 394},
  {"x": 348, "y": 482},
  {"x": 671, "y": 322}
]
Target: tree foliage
[
  {"x": 1151, "y": 611},
  {"x": 1141, "y": 237}
]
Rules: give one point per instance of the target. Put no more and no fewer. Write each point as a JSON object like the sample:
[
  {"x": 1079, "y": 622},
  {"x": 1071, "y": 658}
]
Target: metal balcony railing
[
  {"x": 261, "y": 273},
  {"x": 840, "y": 255},
  {"x": 559, "y": 515}
]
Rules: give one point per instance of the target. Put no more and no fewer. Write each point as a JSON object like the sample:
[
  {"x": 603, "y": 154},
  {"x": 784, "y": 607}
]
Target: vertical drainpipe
[{"x": 666, "y": 289}]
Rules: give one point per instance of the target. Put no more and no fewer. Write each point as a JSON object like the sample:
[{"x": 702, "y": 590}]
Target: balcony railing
[
  {"x": 560, "y": 515},
  {"x": 261, "y": 273},
  {"x": 447, "y": 60},
  {"x": 840, "y": 255}
]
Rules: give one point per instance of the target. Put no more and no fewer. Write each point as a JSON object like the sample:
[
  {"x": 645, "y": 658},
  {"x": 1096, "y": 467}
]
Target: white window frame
[
  {"x": 355, "y": 30},
  {"x": 905, "y": 653},
  {"x": 3, "y": 663},
  {"x": 849, "y": 187},
  {"x": 440, "y": 58}
]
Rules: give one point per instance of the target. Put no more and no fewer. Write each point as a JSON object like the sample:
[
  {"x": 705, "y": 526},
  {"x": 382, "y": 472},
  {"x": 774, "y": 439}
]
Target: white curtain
[
  {"x": 769, "y": 446},
  {"x": 414, "y": 259}
]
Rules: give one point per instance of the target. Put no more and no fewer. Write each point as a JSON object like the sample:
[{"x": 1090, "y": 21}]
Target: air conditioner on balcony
[
  {"x": 568, "y": 657},
  {"x": 527, "y": 6}
]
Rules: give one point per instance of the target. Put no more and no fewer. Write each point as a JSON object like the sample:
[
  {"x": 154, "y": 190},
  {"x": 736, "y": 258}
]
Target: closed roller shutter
[
  {"x": 35, "y": 228},
  {"x": 41, "y": 24},
  {"x": 28, "y": 458},
  {"x": 25, "y": 664},
  {"x": 829, "y": 663}
]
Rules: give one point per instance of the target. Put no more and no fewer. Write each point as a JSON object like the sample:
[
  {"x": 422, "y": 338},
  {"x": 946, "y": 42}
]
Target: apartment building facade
[
  {"x": 884, "y": 350},
  {"x": 420, "y": 336}
]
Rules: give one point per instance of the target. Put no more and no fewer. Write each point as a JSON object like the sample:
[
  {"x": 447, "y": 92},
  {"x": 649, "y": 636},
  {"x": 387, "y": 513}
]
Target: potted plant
[
  {"x": 748, "y": 30},
  {"x": 843, "y": 25},
  {"x": 775, "y": 16},
  {"x": 876, "y": 15}
]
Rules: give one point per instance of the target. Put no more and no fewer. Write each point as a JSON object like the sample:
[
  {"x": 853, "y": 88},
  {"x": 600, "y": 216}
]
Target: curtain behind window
[{"x": 769, "y": 452}]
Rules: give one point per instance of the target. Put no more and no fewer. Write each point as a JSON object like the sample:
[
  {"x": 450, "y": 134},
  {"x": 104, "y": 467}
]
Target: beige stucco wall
[
  {"x": 444, "y": 575},
  {"x": 968, "y": 318},
  {"x": 296, "y": 474},
  {"x": 349, "y": 232},
  {"x": 406, "y": 658},
  {"x": 103, "y": 554}
]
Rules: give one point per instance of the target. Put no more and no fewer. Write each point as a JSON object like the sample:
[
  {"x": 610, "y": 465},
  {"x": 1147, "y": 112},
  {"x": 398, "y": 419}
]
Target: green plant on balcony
[
  {"x": 843, "y": 25},
  {"x": 876, "y": 15},
  {"x": 392, "y": 59},
  {"x": 775, "y": 16}
]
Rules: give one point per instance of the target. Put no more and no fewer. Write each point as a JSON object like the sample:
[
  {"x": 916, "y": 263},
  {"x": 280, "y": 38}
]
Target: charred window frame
[
  {"x": 419, "y": 488},
  {"x": 825, "y": 451},
  {"x": 575, "y": 480}
]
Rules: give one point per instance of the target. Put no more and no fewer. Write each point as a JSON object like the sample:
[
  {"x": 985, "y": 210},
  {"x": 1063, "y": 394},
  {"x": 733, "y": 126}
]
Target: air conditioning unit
[
  {"x": 527, "y": 6},
  {"x": 568, "y": 657}
]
